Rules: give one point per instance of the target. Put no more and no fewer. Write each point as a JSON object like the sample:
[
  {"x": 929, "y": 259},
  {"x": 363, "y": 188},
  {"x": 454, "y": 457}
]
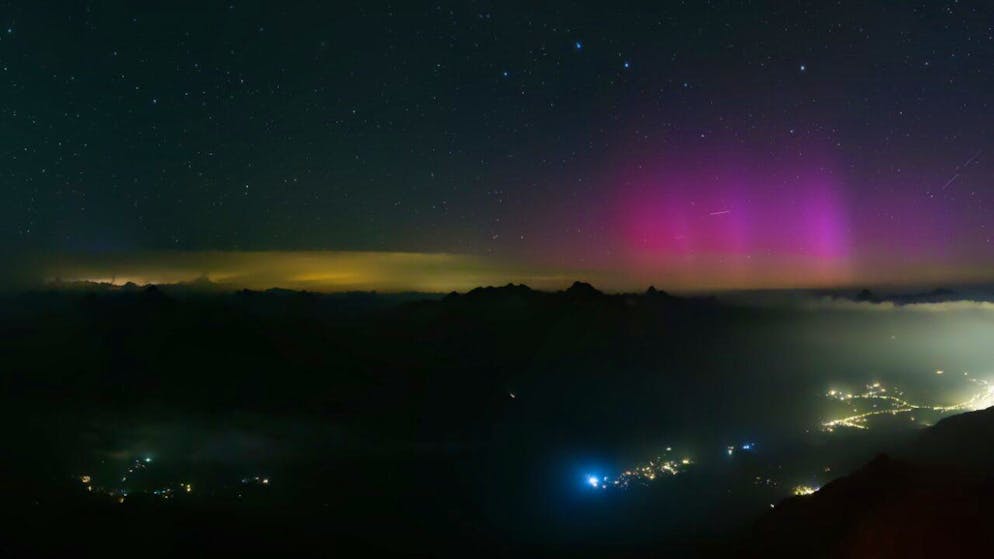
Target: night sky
[{"x": 698, "y": 144}]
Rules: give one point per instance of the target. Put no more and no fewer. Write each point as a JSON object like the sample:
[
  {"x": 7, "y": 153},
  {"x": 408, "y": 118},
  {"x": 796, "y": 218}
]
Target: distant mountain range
[
  {"x": 938, "y": 295},
  {"x": 577, "y": 292}
]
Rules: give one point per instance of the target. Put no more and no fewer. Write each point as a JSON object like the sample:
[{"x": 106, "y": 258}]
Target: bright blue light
[
  {"x": 578, "y": 45},
  {"x": 627, "y": 65},
  {"x": 593, "y": 481},
  {"x": 747, "y": 446}
]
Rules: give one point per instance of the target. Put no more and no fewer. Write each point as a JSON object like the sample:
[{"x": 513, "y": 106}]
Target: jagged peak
[{"x": 582, "y": 289}]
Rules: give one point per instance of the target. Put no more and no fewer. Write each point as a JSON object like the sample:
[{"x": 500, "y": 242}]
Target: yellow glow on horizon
[
  {"x": 323, "y": 271},
  {"x": 331, "y": 271}
]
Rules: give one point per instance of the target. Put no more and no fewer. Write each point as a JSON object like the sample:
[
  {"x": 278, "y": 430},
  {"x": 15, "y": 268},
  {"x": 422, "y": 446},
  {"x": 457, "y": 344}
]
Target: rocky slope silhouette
[{"x": 934, "y": 498}]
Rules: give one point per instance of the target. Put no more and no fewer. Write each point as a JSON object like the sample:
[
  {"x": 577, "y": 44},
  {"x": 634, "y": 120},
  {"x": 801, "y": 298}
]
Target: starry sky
[{"x": 697, "y": 144}]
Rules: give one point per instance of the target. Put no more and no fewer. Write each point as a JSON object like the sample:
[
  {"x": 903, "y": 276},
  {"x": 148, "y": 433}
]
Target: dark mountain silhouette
[
  {"x": 203, "y": 282},
  {"x": 657, "y": 296},
  {"x": 582, "y": 291},
  {"x": 938, "y": 295},
  {"x": 577, "y": 292},
  {"x": 866, "y": 295},
  {"x": 934, "y": 498},
  {"x": 963, "y": 441},
  {"x": 516, "y": 295},
  {"x": 508, "y": 291}
]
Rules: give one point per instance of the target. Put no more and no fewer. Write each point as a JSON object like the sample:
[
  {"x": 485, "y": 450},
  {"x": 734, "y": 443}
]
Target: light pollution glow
[
  {"x": 337, "y": 271},
  {"x": 322, "y": 271},
  {"x": 893, "y": 402},
  {"x": 879, "y": 399},
  {"x": 643, "y": 473}
]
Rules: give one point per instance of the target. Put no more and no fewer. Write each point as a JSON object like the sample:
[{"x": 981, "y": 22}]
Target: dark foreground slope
[
  {"x": 932, "y": 499},
  {"x": 387, "y": 425},
  {"x": 408, "y": 425}
]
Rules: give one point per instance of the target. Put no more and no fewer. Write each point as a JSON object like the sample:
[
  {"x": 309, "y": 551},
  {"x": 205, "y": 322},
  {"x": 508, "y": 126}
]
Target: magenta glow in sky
[{"x": 682, "y": 213}]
